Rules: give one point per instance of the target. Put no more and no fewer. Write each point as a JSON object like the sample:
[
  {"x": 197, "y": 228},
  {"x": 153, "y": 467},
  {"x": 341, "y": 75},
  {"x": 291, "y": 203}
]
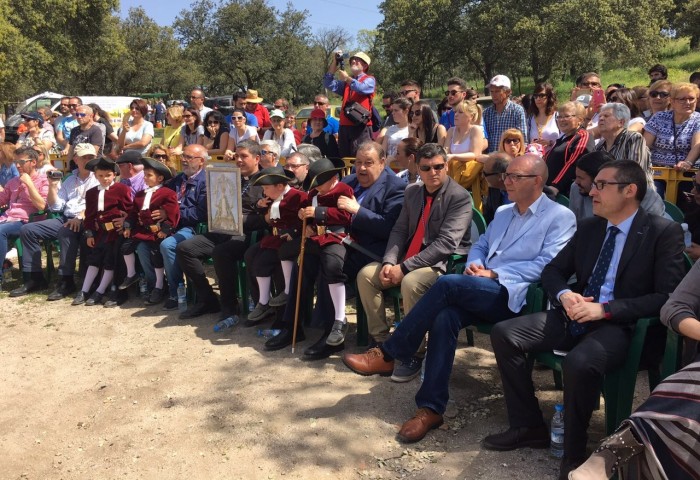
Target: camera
[
  {"x": 340, "y": 58},
  {"x": 55, "y": 174}
]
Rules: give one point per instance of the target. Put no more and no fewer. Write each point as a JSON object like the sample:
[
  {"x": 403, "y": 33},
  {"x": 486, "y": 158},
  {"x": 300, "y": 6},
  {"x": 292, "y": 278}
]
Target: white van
[{"x": 117, "y": 107}]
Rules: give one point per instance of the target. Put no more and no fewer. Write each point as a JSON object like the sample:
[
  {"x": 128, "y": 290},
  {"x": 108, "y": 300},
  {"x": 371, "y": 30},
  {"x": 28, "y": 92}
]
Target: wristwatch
[{"x": 606, "y": 309}]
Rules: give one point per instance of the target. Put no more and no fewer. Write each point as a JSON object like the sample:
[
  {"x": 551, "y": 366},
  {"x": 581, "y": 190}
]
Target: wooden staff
[{"x": 299, "y": 278}]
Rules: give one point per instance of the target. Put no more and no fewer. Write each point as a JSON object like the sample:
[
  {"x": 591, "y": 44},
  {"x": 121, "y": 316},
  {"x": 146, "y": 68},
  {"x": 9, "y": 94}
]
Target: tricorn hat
[
  {"x": 130, "y": 156},
  {"x": 321, "y": 171},
  {"x": 159, "y": 167},
  {"x": 102, "y": 163},
  {"x": 272, "y": 176}
]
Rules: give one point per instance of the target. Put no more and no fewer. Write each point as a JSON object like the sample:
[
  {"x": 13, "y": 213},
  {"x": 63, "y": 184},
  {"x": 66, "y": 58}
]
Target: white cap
[
  {"x": 584, "y": 99},
  {"x": 500, "y": 81}
]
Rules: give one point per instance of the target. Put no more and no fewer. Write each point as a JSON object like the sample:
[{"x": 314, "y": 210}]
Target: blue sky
[{"x": 352, "y": 15}]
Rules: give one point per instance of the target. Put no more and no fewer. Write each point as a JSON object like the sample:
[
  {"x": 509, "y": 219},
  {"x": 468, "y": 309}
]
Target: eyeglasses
[
  {"x": 403, "y": 93},
  {"x": 565, "y": 117},
  {"x": 22, "y": 161},
  {"x": 267, "y": 152},
  {"x": 491, "y": 174},
  {"x": 511, "y": 140},
  {"x": 686, "y": 100},
  {"x": 294, "y": 166},
  {"x": 452, "y": 92},
  {"x": 189, "y": 158},
  {"x": 600, "y": 184},
  {"x": 656, "y": 94},
  {"x": 160, "y": 156},
  {"x": 212, "y": 122},
  {"x": 81, "y": 115},
  {"x": 590, "y": 84},
  {"x": 318, "y": 103},
  {"x": 427, "y": 168},
  {"x": 73, "y": 105},
  {"x": 515, "y": 177},
  {"x": 539, "y": 95},
  {"x": 416, "y": 113},
  {"x": 237, "y": 118}
]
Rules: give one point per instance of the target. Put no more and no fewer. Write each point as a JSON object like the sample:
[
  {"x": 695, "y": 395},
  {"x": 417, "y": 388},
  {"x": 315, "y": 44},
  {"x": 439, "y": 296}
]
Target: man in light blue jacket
[{"x": 519, "y": 242}]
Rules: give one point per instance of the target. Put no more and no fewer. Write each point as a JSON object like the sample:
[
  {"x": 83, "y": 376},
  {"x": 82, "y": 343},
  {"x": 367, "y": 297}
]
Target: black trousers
[
  {"x": 600, "y": 350},
  {"x": 191, "y": 252},
  {"x": 129, "y": 245},
  {"x": 352, "y": 136}
]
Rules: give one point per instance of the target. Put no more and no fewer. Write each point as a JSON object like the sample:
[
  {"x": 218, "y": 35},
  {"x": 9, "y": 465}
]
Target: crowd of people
[{"x": 130, "y": 199}]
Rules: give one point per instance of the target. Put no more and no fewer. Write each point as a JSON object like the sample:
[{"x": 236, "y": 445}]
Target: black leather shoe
[
  {"x": 29, "y": 287},
  {"x": 321, "y": 349},
  {"x": 63, "y": 290},
  {"x": 80, "y": 298},
  {"x": 95, "y": 299},
  {"x": 129, "y": 281},
  {"x": 199, "y": 309},
  {"x": 533, "y": 437},
  {"x": 284, "y": 339}
]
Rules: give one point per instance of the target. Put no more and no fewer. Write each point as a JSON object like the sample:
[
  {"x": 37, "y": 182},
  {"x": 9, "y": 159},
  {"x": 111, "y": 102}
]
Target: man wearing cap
[
  {"x": 224, "y": 249},
  {"x": 503, "y": 114},
  {"x": 197, "y": 101},
  {"x": 332, "y": 124},
  {"x": 69, "y": 201},
  {"x": 86, "y": 131},
  {"x": 254, "y": 107},
  {"x": 357, "y": 88},
  {"x": 433, "y": 224},
  {"x": 318, "y": 136},
  {"x": 283, "y": 136},
  {"x": 282, "y": 247},
  {"x": 36, "y": 134}
]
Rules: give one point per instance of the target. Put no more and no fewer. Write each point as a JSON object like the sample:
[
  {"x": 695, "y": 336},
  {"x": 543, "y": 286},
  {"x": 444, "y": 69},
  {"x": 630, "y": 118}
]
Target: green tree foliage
[{"x": 687, "y": 21}]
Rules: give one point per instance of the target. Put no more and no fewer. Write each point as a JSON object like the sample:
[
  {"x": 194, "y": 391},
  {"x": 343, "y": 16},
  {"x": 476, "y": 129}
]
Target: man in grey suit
[
  {"x": 520, "y": 241},
  {"x": 433, "y": 224}
]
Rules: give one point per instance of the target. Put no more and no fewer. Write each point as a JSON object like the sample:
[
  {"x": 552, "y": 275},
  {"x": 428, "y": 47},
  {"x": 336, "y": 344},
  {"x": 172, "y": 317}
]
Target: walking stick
[{"x": 299, "y": 277}]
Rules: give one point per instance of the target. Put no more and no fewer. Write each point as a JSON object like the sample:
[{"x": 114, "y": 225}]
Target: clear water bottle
[
  {"x": 687, "y": 236},
  {"x": 181, "y": 297},
  {"x": 227, "y": 322},
  {"x": 143, "y": 286},
  {"x": 422, "y": 370},
  {"x": 251, "y": 304},
  {"x": 556, "y": 445},
  {"x": 268, "y": 332}
]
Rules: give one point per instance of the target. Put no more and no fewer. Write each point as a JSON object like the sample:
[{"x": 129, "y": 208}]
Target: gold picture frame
[{"x": 224, "y": 211}]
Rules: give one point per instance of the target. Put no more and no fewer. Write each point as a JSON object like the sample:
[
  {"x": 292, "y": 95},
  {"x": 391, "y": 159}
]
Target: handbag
[{"x": 357, "y": 114}]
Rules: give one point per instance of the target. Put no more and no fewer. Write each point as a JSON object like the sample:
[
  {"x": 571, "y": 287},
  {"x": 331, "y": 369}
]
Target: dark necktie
[{"x": 597, "y": 278}]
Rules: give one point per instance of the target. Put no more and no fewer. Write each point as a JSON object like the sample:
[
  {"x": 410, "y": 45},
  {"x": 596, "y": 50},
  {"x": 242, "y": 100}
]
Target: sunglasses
[
  {"x": 511, "y": 140},
  {"x": 279, "y": 107},
  {"x": 320, "y": 103},
  {"x": 237, "y": 118},
  {"x": 427, "y": 168},
  {"x": 416, "y": 113},
  {"x": 81, "y": 115},
  {"x": 21, "y": 162},
  {"x": 655, "y": 94},
  {"x": 539, "y": 95},
  {"x": 160, "y": 156},
  {"x": 403, "y": 93},
  {"x": 267, "y": 152},
  {"x": 452, "y": 92}
]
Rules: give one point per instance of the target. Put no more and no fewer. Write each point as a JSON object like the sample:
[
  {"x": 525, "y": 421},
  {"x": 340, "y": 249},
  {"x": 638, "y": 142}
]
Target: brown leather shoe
[
  {"x": 369, "y": 363},
  {"x": 422, "y": 422}
]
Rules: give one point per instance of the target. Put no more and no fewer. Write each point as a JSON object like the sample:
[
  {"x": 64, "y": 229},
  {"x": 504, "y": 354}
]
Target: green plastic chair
[
  {"x": 562, "y": 200},
  {"x": 674, "y": 212}
]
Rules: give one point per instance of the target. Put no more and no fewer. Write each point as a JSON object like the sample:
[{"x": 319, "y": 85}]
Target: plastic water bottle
[
  {"x": 687, "y": 236},
  {"x": 227, "y": 322},
  {"x": 251, "y": 304},
  {"x": 556, "y": 445},
  {"x": 422, "y": 370},
  {"x": 181, "y": 297},
  {"x": 268, "y": 332},
  {"x": 143, "y": 286}
]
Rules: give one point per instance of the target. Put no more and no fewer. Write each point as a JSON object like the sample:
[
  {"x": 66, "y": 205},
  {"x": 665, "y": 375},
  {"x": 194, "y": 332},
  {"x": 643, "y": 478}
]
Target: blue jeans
[
  {"x": 167, "y": 248},
  {"x": 452, "y": 303},
  {"x": 8, "y": 231},
  {"x": 144, "y": 254}
]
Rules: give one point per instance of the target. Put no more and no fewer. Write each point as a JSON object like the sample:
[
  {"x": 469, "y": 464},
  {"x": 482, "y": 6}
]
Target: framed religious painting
[{"x": 224, "y": 211}]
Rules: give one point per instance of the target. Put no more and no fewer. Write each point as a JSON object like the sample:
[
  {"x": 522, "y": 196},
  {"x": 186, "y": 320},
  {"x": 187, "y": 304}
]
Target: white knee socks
[
  {"x": 338, "y": 295},
  {"x": 264, "y": 286}
]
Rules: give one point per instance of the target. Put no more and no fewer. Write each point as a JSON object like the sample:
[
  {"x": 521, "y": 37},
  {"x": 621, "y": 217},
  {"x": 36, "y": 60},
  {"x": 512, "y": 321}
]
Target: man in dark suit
[
  {"x": 433, "y": 224},
  {"x": 378, "y": 196},
  {"x": 626, "y": 262}
]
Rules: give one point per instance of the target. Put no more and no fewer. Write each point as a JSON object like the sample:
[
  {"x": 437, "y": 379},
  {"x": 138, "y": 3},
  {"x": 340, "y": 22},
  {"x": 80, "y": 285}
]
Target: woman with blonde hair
[
  {"x": 160, "y": 153},
  {"x": 8, "y": 169},
  {"x": 173, "y": 127},
  {"x": 44, "y": 164},
  {"x": 464, "y": 144},
  {"x": 512, "y": 142}
]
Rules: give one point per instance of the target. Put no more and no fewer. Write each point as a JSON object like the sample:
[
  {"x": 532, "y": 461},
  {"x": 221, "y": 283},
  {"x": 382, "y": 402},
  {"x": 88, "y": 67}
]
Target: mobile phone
[
  {"x": 598, "y": 99},
  {"x": 583, "y": 91}
]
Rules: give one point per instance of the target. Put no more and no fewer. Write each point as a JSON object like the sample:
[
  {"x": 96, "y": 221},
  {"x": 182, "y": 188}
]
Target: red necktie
[{"x": 417, "y": 240}]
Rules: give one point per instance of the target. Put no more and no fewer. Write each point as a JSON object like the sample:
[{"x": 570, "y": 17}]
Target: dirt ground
[{"x": 134, "y": 393}]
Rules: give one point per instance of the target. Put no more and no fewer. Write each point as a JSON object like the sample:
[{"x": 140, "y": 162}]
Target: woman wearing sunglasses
[
  {"x": 541, "y": 124},
  {"x": 659, "y": 97},
  {"x": 159, "y": 152},
  {"x": 512, "y": 142},
  {"x": 423, "y": 125},
  {"x": 239, "y": 131},
  {"x": 215, "y": 138},
  {"x": 191, "y": 130},
  {"x": 464, "y": 144}
]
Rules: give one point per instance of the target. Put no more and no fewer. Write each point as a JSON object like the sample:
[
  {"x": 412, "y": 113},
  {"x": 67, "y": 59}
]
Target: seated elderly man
[
  {"x": 626, "y": 263},
  {"x": 624, "y": 144},
  {"x": 378, "y": 197},
  {"x": 433, "y": 224},
  {"x": 517, "y": 245},
  {"x": 69, "y": 200},
  {"x": 269, "y": 154}
]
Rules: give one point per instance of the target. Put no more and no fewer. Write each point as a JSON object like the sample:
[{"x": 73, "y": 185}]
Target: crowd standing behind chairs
[{"x": 374, "y": 229}]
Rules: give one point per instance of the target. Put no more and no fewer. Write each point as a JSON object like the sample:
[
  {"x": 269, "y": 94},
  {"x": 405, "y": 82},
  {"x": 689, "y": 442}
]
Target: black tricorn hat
[
  {"x": 160, "y": 168},
  {"x": 102, "y": 163},
  {"x": 130, "y": 156},
  {"x": 321, "y": 171},
  {"x": 272, "y": 176}
]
